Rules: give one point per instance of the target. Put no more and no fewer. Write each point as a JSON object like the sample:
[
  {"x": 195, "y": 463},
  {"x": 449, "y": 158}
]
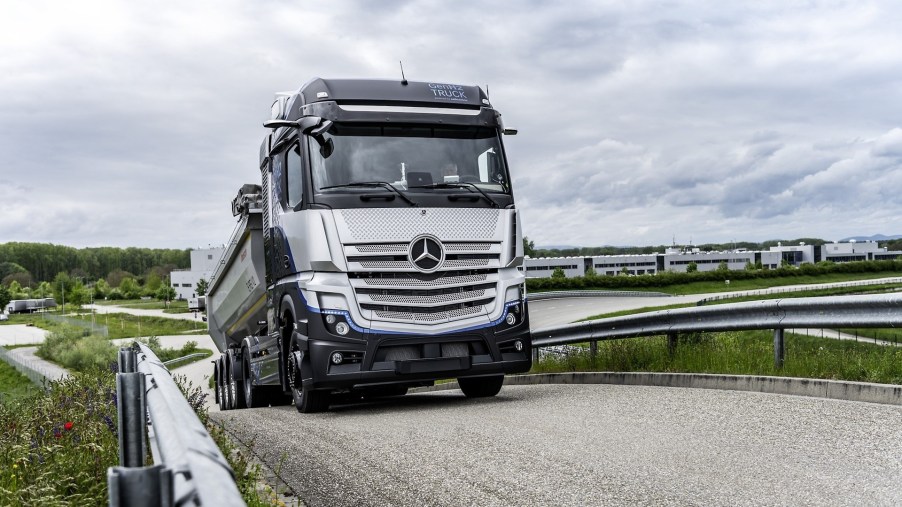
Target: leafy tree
[
  {"x": 4, "y": 297},
  {"x": 558, "y": 273},
  {"x": 79, "y": 295},
  {"x": 9, "y": 268},
  {"x": 202, "y": 286},
  {"x": 691, "y": 267},
  {"x": 723, "y": 266},
  {"x": 101, "y": 288},
  {"x": 61, "y": 286},
  {"x": 152, "y": 283},
  {"x": 590, "y": 273},
  {"x": 23, "y": 277},
  {"x": 529, "y": 247},
  {"x": 749, "y": 266},
  {"x": 129, "y": 288},
  {"x": 624, "y": 271},
  {"x": 165, "y": 293},
  {"x": 116, "y": 277},
  {"x": 15, "y": 290}
]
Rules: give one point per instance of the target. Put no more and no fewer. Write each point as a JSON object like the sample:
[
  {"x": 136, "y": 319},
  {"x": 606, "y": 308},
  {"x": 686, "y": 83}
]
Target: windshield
[{"x": 410, "y": 157}]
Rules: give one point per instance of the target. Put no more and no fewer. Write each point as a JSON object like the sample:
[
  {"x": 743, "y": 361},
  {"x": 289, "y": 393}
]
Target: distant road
[{"x": 555, "y": 312}]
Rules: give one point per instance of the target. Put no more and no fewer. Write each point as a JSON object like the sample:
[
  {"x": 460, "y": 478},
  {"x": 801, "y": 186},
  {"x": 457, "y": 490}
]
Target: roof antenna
[
  {"x": 403, "y": 79},
  {"x": 487, "y": 91}
]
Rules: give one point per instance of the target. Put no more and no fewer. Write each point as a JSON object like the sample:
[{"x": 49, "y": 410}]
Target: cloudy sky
[{"x": 134, "y": 123}]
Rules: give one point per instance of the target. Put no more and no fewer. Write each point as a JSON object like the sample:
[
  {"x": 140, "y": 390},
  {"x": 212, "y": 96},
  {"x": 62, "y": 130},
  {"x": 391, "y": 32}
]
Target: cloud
[{"x": 134, "y": 124}]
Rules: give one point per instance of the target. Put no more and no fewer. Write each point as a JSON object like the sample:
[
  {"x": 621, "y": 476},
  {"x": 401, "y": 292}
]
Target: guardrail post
[
  {"x": 535, "y": 354},
  {"x": 140, "y": 487},
  {"x": 779, "y": 349},
  {"x": 128, "y": 360},
  {"x": 593, "y": 350},
  {"x": 132, "y": 408},
  {"x": 672, "y": 342}
]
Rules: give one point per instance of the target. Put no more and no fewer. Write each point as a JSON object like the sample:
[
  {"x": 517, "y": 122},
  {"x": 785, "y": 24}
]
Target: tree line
[{"x": 43, "y": 260}]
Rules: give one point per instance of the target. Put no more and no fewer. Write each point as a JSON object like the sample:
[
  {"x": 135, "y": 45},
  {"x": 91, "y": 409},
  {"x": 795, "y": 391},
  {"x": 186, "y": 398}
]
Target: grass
[
  {"x": 13, "y": 385},
  {"x": 68, "y": 347},
  {"x": 56, "y": 446},
  {"x": 123, "y": 325},
  {"x": 835, "y": 291},
  {"x": 738, "y": 353},
  {"x": 120, "y": 325},
  {"x": 759, "y": 283}
]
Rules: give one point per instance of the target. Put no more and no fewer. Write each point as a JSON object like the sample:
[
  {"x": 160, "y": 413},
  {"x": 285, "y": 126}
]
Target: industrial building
[
  {"x": 203, "y": 264},
  {"x": 678, "y": 259}
]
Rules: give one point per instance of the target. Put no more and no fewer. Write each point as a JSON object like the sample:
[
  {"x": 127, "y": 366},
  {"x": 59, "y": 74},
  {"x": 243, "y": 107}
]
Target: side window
[{"x": 294, "y": 176}]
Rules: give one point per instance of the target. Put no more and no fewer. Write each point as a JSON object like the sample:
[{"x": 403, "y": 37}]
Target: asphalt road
[{"x": 584, "y": 445}]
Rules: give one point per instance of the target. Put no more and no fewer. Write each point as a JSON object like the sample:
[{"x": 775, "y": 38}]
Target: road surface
[{"x": 584, "y": 445}]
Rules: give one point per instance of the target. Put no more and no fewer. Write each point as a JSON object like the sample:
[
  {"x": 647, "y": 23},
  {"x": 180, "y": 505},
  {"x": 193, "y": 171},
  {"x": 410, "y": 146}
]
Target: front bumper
[{"x": 412, "y": 359}]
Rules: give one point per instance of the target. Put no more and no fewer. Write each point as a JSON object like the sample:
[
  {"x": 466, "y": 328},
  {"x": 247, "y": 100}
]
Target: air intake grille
[{"x": 389, "y": 287}]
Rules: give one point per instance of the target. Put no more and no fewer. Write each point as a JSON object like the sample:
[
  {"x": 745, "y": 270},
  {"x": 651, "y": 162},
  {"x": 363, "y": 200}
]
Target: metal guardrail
[
  {"x": 188, "y": 466},
  {"x": 843, "y": 312},
  {"x": 558, "y": 294}
]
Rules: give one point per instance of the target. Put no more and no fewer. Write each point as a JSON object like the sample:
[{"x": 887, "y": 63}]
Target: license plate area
[{"x": 432, "y": 365}]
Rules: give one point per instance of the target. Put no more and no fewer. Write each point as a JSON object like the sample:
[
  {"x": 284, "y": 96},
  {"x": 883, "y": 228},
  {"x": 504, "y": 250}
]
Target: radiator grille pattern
[
  {"x": 389, "y": 287},
  {"x": 404, "y": 224}
]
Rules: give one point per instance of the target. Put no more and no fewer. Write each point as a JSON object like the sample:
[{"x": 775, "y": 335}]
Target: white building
[
  {"x": 640, "y": 264},
  {"x": 203, "y": 264},
  {"x": 543, "y": 267},
  {"x": 796, "y": 255},
  {"x": 848, "y": 252}
]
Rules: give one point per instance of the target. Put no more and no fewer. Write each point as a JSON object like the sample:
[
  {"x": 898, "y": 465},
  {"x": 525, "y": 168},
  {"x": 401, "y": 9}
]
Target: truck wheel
[
  {"x": 481, "y": 387},
  {"x": 306, "y": 400},
  {"x": 221, "y": 384},
  {"x": 236, "y": 382},
  {"x": 253, "y": 396},
  {"x": 216, "y": 382}
]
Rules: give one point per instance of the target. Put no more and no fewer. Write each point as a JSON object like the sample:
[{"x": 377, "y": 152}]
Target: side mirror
[{"x": 509, "y": 132}]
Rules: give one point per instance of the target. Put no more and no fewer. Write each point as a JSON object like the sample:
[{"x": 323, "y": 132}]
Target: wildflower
[
  {"x": 68, "y": 425},
  {"x": 15, "y": 466}
]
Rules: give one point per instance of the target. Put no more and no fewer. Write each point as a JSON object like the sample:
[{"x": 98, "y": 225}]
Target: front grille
[
  {"x": 388, "y": 287},
  {"x": 429, "y": 317}
]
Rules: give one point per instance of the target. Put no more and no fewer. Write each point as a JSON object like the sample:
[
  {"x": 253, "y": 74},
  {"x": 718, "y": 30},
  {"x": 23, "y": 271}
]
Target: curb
[
  {"x": 831, "y": 389},
  {"x": 562, "y": 294}
]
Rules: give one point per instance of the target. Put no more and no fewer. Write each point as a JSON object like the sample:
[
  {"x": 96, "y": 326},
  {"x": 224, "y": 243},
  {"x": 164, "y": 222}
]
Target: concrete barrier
[{"x": 832, "y": 389}]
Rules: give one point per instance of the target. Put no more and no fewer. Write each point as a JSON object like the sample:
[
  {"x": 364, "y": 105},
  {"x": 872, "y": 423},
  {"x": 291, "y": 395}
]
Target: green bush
[
  {"x": 69, "y": 347},
  {"x": 56, "y": 446}
]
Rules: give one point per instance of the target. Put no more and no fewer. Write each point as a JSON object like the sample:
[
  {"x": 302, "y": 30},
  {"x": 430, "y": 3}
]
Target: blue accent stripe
[{"x": 362, "y": 330}]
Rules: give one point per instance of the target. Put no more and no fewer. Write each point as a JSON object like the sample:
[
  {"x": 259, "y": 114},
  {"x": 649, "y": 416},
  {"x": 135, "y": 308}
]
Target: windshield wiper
[
  {"x": 383, "y": 184},
  {"x": 461, "y": 184}
]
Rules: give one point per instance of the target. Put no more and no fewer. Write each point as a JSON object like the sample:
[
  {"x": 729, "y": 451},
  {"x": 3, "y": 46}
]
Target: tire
[
  {"x": 481, "y": 387},
  {"x": 236, "y": 381},
  {"x": 222, "y": 383},
  {"x": 306, "y": 400},
  {"x": 253, "y": 396},
  {"x": 216, "y": 382}
]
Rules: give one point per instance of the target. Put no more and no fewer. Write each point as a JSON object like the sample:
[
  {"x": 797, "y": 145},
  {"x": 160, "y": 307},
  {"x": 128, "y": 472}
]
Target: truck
[
  {"x": 380, "y": 251},
  {"x": 197, "y": 303}
]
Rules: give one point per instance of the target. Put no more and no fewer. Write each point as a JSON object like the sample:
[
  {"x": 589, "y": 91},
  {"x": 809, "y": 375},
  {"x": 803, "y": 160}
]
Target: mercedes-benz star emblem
[{"x": 426, "y": 253}]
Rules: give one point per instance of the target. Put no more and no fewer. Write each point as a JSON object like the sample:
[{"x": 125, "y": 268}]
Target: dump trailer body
[{"x": 236, "y": 298}]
